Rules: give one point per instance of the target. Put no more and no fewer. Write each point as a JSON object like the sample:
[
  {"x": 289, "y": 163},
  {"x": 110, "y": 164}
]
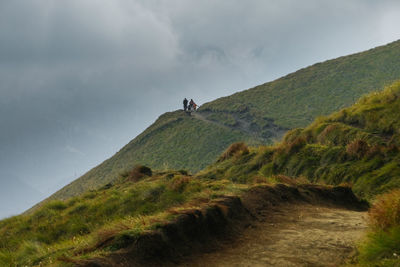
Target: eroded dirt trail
[{"x": 292, "y": 235}]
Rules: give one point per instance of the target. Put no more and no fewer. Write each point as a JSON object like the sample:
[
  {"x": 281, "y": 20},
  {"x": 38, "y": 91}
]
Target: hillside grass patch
[{"x": 381, "y": 246}]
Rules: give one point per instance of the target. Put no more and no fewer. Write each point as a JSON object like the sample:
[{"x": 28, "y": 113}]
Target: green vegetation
[
  {"x": 298, "y": 98},
  {"x": 224, "y": 118},
  {"x": 173, "y": 141},
  {"x": 357, "y": 145},
  {"x": 259, "y": 115},
  {"x": 79, "y": 227},
  {"x": 381, "y": 246}
]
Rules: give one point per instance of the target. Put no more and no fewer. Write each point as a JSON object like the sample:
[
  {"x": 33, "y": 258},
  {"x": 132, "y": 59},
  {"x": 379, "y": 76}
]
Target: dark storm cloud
[{"x": 79, "y": 79}]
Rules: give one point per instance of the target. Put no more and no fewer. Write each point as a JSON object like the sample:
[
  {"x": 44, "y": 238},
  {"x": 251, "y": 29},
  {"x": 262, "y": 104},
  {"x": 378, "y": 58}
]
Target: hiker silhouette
[
  {"x": 192, "y": 105},
  {"x": 185, "y": 103}
]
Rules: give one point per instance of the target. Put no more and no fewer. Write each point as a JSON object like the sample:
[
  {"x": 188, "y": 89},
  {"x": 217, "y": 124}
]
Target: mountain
[
  {"x": 359, "y": 145},
  {"x": 256, "y": 116}
]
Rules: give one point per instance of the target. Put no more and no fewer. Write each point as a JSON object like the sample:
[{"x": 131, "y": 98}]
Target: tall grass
[
  {"x": 385, "y": 213},
  {"x": 357, "y": 145},
  {"x": 234, "y": 150},
  {"x": 102, "y": 220},
  {"x": 382, "y": 244}
]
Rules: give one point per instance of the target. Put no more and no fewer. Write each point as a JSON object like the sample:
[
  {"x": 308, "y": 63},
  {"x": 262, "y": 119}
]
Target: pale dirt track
[{"x": 292, "y": 235}]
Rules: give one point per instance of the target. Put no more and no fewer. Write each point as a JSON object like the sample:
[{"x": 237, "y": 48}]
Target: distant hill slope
[
  {"x": 296, "y": 99},
  {"x": 359, "y": 145},
  {"x": 176, "y": 140},
  {"x": 256, "y": 116}
]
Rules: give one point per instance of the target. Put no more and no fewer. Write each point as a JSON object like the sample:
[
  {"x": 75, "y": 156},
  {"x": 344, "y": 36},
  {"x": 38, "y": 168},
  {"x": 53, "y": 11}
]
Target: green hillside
[
  {"x": 148, "y": 219},
  {"x": 298, "y": 98},
  {"x": 260, "y": 115},
  {"x": 176, "y": 140},
  {"x": 104, "y": 220},
  {"x": 358, "y": 145},
  {"x": 141, "y": 209}
]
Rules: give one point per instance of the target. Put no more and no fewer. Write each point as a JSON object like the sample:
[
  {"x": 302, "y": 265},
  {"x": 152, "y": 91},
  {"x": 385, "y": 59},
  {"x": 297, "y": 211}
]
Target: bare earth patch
[{"x": 292, "y": 235}]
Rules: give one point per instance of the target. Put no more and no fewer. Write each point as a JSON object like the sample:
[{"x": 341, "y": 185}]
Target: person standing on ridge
[
  {"x": 192, "y": 105},
  {"x": 185, "y": 102}
]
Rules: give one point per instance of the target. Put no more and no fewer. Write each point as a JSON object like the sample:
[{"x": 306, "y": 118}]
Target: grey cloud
[{"x": 77, "y": 31}]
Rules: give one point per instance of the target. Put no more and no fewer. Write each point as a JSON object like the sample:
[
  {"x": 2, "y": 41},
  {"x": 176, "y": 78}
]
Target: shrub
[
  {"x": 239, "y": 148},
  {"x": 138, "y": 172},
  {"x": 385, "y": 212}
]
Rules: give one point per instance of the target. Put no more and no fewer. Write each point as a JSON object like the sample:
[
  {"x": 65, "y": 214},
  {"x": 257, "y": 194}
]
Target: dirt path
[{"x": 293, "y": 235}]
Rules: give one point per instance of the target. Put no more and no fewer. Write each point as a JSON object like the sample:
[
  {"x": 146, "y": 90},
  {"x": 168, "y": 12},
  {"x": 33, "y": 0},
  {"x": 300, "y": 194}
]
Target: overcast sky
[{"x": 80, "y": 78}]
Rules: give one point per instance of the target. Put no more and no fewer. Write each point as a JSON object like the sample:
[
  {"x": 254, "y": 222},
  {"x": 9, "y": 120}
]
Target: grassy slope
[
  {"x": 78, "y": 226},
  {"x": 120, "y": 216},
  {"x": 296, "y": 99},
  {"x": 180, "y": 142},
  {"x": 174, "y": 141},
  {"x": 330, "y": 149},
  {"x": 380, "y": 246},
  {"x": 359, "y": 145}
]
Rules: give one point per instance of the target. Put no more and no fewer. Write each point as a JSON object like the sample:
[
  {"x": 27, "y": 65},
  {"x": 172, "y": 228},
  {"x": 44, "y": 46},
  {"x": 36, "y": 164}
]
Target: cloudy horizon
[{"x": 80, "y": 79}]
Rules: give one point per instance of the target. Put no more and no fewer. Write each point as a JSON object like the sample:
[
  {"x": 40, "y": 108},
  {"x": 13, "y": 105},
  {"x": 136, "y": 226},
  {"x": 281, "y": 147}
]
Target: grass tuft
[
  {"x": 357, "y": 148},
  {"x": 236, "y": 149},
  {"x": 381, "y": 246},
  {"x": 385, "y": 213}
]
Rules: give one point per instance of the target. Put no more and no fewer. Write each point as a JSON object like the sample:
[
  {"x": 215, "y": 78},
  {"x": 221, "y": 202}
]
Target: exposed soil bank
[{"x": 196, "y": 232}]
